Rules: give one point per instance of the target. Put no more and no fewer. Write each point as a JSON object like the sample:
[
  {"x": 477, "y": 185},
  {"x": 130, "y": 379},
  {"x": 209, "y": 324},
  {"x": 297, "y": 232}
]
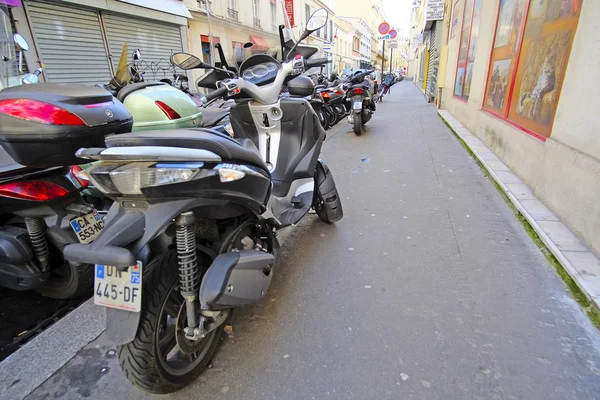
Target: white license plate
[
  {"x": 120, "y": 289},
  {"x": 88, "y": 227},
  {"x": 357, "y": 105}
]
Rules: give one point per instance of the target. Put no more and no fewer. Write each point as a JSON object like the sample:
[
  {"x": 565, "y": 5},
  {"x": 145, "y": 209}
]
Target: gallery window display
[
  {"x": 466, "y": 52},
  {"x": 529, "y": 60}
]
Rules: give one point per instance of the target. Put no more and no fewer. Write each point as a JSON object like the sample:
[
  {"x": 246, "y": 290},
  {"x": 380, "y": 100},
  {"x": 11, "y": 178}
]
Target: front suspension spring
[
  {"x": 37, "y": 236},
  {"x": 189, "y": 274}
]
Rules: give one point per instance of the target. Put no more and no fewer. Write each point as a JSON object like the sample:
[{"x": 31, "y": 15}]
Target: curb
[
  {"x": 576, "y": 258},
  {"x": 30, "y": 366}
]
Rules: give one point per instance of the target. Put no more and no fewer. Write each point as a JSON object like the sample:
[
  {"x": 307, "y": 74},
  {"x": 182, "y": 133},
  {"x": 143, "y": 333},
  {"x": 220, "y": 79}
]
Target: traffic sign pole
[{"x": 382, "y": 62}]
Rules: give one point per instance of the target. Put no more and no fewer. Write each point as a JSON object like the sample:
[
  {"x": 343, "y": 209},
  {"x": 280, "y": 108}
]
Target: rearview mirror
[
  {"x": 187, "y": 61},
  {"x": 21, "y": 42},
  {"x": 317, "y": 20},
  {"x": 137, "y": 55}
]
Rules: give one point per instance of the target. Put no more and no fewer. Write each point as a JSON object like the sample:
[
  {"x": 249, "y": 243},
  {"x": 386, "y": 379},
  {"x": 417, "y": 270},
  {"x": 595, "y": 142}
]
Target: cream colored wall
[{"x": 564, "y": 171}]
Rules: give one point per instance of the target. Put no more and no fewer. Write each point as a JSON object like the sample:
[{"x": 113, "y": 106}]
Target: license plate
[
  {"x": 88, "y": 227},
  {"x": 357, "y": 105},
  {"x": 117, "y": 288}
]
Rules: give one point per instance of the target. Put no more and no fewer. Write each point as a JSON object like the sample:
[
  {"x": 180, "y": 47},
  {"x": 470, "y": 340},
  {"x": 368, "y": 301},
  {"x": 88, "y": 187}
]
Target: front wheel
[
  {"x": 160, "y": 359},
  {"x": 358, "y": 123}
]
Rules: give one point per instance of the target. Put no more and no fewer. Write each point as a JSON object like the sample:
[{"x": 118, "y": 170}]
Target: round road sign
[
  {"x": 393, "y": 34},
  {"x": 384, "y": 28}
]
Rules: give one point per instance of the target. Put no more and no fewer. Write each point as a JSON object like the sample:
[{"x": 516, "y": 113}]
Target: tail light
[
  {"x": 32, "y": 190},
  {"x": 338, "y": 91},
  {"x": 37, "y": 111},
  {"x": 80, "y": 176},
  {"x": 169, "y": 112},
  {"x": 98, "y": 105},
  {"x": 358, "y": 91}
]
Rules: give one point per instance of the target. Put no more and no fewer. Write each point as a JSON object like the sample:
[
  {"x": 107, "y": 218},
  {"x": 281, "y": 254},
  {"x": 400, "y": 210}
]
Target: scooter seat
[
  {"x": 127, "y": 90},
  {"x": 229, "y": 149},
  {"x": 212, "y": 115}
]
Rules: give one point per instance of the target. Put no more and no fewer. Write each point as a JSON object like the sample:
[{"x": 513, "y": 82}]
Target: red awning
[
  {"x": 206, "y": 39},
  {"x": 258, "y": 43}
]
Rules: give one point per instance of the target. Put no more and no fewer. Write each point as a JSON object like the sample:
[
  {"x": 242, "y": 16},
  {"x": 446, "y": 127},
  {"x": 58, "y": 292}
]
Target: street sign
[
  {"x": 327, "y": 46},
  {"x": 383, "y": 28},
  {"x": 435, "y": 10},
  {"x": 393, "y": 33},
  {"x": 383, "y": 37},
  {"x": 392, "y": 44}
]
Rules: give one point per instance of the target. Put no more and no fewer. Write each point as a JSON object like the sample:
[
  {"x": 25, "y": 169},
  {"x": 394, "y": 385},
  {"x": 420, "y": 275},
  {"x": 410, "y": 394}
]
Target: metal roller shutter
[
  {"x": 155, "y": 40},
  {"x": 70, "y": 43},
  {"x": 434, "y": 64}
]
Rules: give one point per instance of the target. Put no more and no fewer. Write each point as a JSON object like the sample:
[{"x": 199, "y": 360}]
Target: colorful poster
[
  {"x": 468, "y": 80},
  {"x": 460, "y": 78},
  {"x": 543, "y": 72},
  {"x": 498, "y": 84},
  {"x": 455, "y": 16},
  {"x": 510, "y": 20},
  {"x": 289, "y": 9}
]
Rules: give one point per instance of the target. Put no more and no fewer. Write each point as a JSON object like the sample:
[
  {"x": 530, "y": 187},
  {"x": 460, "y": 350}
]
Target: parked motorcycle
[
  {"x": 363, "y": 107},
  {"x": 200, "y": 217},
  {"x": 41, "y": 208}
]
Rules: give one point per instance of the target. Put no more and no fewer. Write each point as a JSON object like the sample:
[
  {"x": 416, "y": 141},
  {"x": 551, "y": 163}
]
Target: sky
[{"x": 398, "y": 13}]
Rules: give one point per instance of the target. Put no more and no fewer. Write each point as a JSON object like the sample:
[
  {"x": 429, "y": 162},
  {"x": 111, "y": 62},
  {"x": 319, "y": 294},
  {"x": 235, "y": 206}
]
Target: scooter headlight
[{"x": 130, "y": 179}]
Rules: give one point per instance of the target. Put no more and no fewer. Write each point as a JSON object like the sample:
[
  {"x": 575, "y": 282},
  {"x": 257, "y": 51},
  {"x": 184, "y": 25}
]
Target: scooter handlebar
[
  {"x": 220, "y": 92},
  {"x": 317, "y": 62}
]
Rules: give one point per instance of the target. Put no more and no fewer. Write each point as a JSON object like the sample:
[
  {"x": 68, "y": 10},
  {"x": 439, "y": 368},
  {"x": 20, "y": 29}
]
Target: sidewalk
[{"x": 429, "y": 288}]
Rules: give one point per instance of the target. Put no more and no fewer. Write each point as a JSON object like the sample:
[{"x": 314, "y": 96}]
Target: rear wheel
[
  {"x": 358, "y": 123},
  {"x": 160, "y": 359},
  {"x": 68, "y": 280}
]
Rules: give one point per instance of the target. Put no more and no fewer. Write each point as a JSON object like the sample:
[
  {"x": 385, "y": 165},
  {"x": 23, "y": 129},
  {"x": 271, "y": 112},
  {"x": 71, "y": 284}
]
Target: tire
[
  {"x": 141, "y": 360},
  {"x": 69, "y": 281},
  {"x": 327, "y": 120},
  {"x": 358, "y": 123}
]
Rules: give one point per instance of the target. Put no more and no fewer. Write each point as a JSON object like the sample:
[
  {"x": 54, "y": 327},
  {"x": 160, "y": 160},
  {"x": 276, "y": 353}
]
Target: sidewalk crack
[
  {"x": 454, "y": 235},
  {"x": 429, "y": 149}
]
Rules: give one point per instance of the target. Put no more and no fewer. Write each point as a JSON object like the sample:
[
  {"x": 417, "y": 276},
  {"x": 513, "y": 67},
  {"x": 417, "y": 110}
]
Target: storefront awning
[
  {"x": 258, "y": 43},
  {"x": 206, "y": 39}
]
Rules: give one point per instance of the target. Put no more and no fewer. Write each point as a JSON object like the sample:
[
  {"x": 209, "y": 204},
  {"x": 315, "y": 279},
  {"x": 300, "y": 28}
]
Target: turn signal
[
  {"x": 80, "y": 176},
  {"x": 32, "y": 190},
  {"x": 169, "y": 112},
  {"x": 37, "y": 111}
]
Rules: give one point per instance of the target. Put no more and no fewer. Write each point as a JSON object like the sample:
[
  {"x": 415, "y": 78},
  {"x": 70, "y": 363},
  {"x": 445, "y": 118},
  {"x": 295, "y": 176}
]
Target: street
[{"x": 429, "y": 288}]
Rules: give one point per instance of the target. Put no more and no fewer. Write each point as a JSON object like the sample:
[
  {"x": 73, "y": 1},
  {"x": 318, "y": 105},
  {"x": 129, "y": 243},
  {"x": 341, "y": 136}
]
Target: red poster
[{"x": 289, "y": 9}]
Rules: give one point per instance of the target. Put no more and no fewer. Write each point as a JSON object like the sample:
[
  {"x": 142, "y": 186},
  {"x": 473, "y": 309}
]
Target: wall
[{"x": 563, "y": 171}]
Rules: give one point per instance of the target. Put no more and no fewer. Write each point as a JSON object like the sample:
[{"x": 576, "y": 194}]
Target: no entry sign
[{"x": 384, "y": 28}]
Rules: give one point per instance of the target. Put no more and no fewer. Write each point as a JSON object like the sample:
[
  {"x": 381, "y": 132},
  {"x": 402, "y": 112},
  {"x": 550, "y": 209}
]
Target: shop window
[
  {"x": 529, "y": 59},
  {"x": 466, "y": 52}
]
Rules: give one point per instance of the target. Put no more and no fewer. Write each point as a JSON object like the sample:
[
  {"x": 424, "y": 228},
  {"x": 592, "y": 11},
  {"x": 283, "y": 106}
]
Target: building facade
[{"x": 522, "y": 76}]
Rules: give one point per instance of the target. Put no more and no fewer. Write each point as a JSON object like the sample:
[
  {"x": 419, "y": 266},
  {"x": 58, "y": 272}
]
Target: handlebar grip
[
  {"x": 222, "y": 91},
  {"x": 317, "y": 62}
]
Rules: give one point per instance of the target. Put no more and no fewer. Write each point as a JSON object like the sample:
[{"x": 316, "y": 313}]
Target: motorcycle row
[{"x": 170, "y": 214}]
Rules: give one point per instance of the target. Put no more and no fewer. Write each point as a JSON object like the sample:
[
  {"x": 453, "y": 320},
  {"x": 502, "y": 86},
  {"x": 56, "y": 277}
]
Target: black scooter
[
  {"x": 359, "y": 95},
  {"x": 199, "y": 217}
]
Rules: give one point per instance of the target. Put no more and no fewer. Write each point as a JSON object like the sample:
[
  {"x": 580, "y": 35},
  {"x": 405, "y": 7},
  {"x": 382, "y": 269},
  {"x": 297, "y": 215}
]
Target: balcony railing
[
  {"x": 257, "y": 23},
  {"x": 274, "y": 28},
  {"x": 232, "y": 14}
]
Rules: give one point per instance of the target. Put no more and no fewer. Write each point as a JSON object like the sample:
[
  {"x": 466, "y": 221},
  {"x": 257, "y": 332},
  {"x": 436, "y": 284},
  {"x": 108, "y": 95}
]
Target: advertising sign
[
  {"x": 435, "y": 10},
  {"x": 289, "y": 9}
]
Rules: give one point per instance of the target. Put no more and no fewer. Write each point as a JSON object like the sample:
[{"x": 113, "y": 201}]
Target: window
[
  {"x": 232, "y": 4},
  {"x": 255, "y": 8},
  {"x": 466, "y": 51},
  {"x": 273, "y": 18},
  {"x": 325, "y": 32},
  {"x": 307, "y": 11},
  {"x": 529, "y": 59},
  {"x": 330, "y": 30}
]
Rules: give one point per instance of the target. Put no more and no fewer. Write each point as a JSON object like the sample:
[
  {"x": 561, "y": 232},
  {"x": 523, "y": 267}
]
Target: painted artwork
[
  {"x": 460, "y": 78},
  {"x": 498, "y": 85},
  {"x": 562, "y": 9},
  {"x": 468, "y": 79},
  {"x": 464, "y": 44},
  {"x": 455, "y": 16},
  {"x": 543, "y": 73},
  {"x": 510, "y": 20},
  {"x": 475, "y": 30}
]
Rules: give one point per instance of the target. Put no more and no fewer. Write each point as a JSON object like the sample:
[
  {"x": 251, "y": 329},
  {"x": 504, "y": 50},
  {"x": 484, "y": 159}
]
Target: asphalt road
[{"x": 429, "y": 288}]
